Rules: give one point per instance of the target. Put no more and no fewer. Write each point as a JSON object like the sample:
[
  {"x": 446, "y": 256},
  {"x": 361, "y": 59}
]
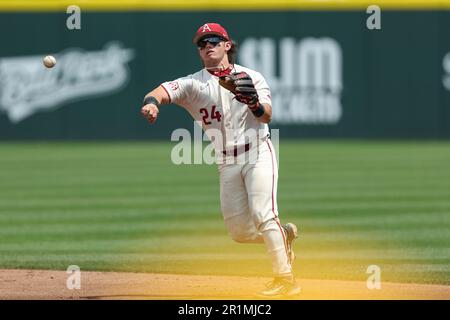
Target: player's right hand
[{"x": 150, "y": 112}]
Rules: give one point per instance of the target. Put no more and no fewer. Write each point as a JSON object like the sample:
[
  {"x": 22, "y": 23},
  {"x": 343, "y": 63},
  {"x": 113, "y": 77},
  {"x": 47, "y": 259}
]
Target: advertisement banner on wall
[{"x": 331, "y": 75}]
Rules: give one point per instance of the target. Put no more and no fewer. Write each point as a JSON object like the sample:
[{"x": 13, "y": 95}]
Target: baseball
[{"x": 49, "y": 61}]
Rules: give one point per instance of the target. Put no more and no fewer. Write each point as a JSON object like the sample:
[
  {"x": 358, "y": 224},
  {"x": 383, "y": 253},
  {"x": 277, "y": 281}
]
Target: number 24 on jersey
[{"x": 215, "y": 115}]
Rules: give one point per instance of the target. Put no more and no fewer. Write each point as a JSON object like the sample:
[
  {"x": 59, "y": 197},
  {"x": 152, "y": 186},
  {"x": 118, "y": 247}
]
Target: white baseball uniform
[{"x": 247, "y": 163}]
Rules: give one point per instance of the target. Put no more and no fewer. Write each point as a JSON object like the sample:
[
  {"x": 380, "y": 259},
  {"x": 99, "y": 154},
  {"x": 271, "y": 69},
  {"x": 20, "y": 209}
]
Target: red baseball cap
[{"x": 210, "y": 29}]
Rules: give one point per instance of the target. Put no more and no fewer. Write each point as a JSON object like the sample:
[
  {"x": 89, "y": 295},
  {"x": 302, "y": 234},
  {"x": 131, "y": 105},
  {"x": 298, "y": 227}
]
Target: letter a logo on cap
[{"x": 206, "y": 28}]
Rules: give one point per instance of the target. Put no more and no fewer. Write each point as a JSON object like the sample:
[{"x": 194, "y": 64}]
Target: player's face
[{"x": 213, "y": 50}]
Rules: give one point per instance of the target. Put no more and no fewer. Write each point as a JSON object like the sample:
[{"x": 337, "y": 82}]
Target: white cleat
[{"x": 281, "y": 287}]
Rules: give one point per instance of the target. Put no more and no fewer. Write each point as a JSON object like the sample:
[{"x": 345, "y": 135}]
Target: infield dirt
[{"x": 48, "y": 284}]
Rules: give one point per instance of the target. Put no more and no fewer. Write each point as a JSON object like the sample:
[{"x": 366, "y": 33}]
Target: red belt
[{"x": 237, "y": 150}]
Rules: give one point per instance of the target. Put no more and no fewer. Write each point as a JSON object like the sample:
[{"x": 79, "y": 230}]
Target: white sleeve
[
  {"x": 179, "y": 89},
  {"x": 263, "y": 90}
]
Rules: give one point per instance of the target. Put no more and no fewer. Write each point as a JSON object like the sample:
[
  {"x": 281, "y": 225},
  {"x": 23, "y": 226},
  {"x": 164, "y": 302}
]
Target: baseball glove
[{"x": 241, "y": 85}]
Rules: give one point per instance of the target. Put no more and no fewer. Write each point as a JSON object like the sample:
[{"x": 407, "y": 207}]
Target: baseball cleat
[
  {"x": 291, "y": 234},
  {"x": 281, "y": 287}
]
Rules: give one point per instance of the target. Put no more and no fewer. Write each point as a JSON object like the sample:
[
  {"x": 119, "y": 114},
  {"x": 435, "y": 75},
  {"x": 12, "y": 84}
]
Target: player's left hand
[{"x": 241, "y": 85}]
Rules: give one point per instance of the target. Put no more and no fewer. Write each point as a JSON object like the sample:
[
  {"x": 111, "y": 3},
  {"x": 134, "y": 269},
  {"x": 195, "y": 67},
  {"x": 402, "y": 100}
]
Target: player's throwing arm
[{"x": 152, "y": 101}]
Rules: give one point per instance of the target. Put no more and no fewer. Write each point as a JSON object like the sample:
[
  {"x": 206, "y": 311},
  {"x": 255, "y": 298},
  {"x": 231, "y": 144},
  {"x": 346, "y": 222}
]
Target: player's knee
[
  {"x": 239, "y": 237},
  {"x": 243, "y": 237},
  {"x": 240, "y": 231},
  {"x": 236, "y": 230}
]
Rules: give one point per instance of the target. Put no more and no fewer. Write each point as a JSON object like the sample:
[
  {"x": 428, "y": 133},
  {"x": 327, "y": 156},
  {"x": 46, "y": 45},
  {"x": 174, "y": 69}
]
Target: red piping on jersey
[
  {"x": 222, "y": 73},
  {"x": 170, "y": 100},
  {"x": 273, "y": 201},
  {"x": 273, "y": 178}
]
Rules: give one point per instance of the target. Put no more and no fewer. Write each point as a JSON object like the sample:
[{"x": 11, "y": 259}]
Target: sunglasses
[{"x": 213, "y": 40}]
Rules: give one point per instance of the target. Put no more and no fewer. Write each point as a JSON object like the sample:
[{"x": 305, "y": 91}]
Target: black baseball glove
[{"x": 241, "y": 85}]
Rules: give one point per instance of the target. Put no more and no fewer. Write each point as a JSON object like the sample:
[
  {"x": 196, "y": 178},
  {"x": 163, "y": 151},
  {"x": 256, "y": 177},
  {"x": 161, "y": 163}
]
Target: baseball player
[{"x": 233, "y": 105}]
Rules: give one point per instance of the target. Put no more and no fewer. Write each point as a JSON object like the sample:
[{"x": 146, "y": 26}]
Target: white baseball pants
[{"x": 248, "y": 201}]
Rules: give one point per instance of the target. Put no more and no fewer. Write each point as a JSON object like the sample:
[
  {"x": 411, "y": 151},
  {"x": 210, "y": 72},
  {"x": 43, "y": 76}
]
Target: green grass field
[{"x": 126, "y": 207}]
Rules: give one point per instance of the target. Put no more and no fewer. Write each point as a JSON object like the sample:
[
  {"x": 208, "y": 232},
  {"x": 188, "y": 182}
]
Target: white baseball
[{"x": 49, "y": 61}]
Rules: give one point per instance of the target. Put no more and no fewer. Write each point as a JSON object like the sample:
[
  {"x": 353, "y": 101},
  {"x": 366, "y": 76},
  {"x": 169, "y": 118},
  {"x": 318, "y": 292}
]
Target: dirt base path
[{"x": 47, "y": 284}]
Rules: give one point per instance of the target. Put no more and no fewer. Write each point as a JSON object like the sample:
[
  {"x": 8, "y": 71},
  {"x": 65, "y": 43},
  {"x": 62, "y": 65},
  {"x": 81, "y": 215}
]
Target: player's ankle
[{"x": 288, "y": 277}]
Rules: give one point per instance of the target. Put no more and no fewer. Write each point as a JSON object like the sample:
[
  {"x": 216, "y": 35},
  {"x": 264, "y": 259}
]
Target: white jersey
[{"x": 216, "y": 109}]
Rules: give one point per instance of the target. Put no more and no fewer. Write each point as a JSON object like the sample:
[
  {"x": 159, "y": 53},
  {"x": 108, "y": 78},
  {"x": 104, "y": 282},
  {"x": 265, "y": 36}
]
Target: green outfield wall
[{"x": 330, "y": 75}]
